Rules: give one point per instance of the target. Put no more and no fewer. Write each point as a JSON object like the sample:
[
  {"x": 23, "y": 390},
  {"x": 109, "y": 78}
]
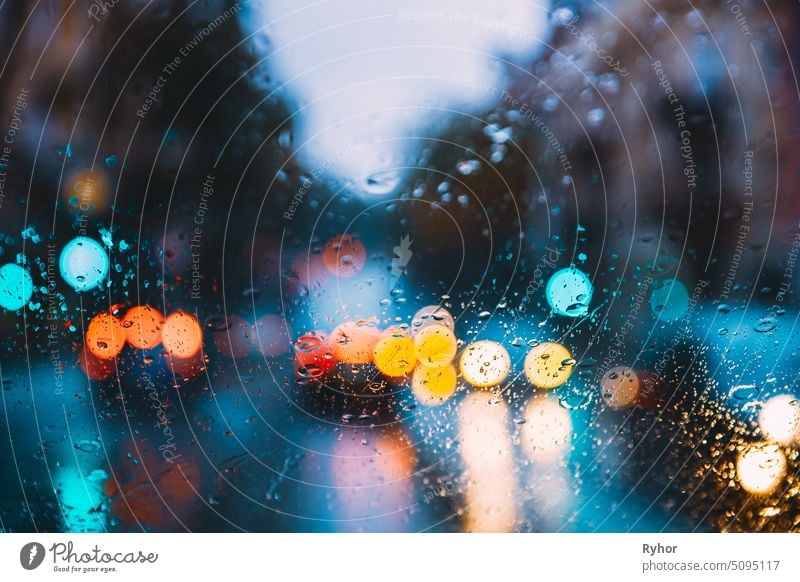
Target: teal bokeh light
[
  {"x": 16, "y": 286},
  {"x": 83, "y": 263},
  {"x": 569, "y": 292}
]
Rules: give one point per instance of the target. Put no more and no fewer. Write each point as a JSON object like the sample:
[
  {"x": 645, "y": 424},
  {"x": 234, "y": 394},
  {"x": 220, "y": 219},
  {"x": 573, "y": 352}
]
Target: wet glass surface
[{"x": 285, "y": 266}]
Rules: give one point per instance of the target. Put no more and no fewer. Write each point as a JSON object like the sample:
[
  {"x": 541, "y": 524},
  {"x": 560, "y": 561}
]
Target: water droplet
[
  {"x": 595, "y": 117},
  {"x": 743, "y": 392},
  {"x": 468, "y": 167},
  {"x": 382, "y": 182},
  {"x": 765, "y": 325},
  {"x": 88, "y": 446}
]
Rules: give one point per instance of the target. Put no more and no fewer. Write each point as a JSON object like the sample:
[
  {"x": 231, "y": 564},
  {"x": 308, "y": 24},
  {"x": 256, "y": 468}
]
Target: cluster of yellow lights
[{"x": 427, "y": 351}]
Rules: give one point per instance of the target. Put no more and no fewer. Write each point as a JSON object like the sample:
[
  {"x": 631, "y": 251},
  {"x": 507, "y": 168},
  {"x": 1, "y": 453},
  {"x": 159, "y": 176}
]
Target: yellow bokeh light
[
  {"x": 433, "y": 386},
  {"x": 485, "y": 363},
  {"x": 395, "y": 354},
  {"x": 779, "y": 419},
  {"x": 548, "y": 365},
  {"x": 619, "y": 387},
  {"x": 436, "y": 345},
  {"x": 760, "y": 468},
  {"x": 547, "y": 431},
  {"x": 87, "y": 192}
]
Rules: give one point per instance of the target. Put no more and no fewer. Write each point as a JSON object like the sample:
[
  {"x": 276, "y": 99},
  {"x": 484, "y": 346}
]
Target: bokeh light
[
  {"x": 182, "y": 335},
  {"x": 436, "y": 345},
  {"x": 395, "y": 354},
  {"x": 237, "y": 340},
  {"x": 779, "y": 419},
  {"x": 384, "y": 471},
  {"x": 271, "y": 336},
  {"x": 619, "y": 387},
  {"x": 548, "y": 365},
  {"x": 314, "y": 354},
  {"x": 432, "y": 315},
  {"x": 87, "y": 193},
  {"x": 16, "y": 286},
  {"x": 143, "y": 325},
  {"x": 353, "y": 342},
  {"x": 488, "y": 457},
  {"x": 95, "y": 368},
  {"x": 344, "y": 256},
  {"x": 669, "y": 300},
  {"x": 547, "y": 432},
  {"x": 105, "y": 336},
  {"x": 83, "y": 263},
  {"x": 485, "y": 363},
  {"x": 760, "y": 468},
  {"x": 433, "y": 386},
  {"x": 569, "y": 292}
]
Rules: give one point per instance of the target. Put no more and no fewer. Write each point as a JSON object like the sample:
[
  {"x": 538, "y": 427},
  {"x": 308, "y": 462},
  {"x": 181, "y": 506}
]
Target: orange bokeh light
[
  {"x": 105, "y": 336},
  {"x": 143, "y": 326},
  {"x": 354, "y": 342},
  {"x": 87, "y": 192},
  {"x": 182, "y": 335},
  {"x": 344, "y": 256}
]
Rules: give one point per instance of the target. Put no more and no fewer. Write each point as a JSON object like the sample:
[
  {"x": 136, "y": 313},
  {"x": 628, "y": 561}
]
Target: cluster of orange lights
[{"x": 143, "y": 327}]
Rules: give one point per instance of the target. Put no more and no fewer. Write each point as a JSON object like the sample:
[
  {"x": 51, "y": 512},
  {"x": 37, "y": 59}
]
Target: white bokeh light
[{"x": 779, "y": 419}]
